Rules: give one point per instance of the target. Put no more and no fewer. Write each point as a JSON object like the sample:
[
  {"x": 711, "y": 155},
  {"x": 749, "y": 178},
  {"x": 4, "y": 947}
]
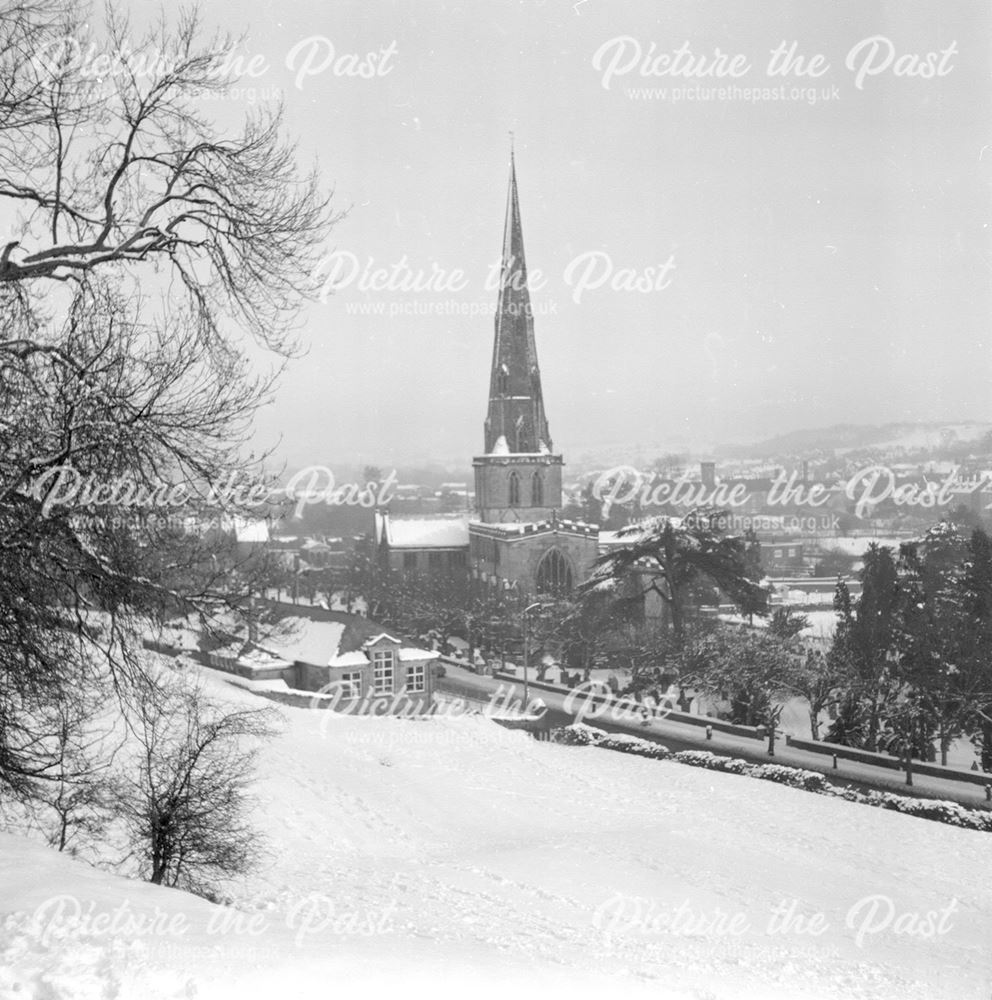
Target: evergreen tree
[
  {"x": 751, "y": 668},
  {"x": 670, "y": 556},
  {"x": 864, "y": 644},
  {"x": 977, "y": 593}
]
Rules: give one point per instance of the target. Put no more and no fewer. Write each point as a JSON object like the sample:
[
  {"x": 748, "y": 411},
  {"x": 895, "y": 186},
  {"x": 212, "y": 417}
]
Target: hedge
[{"x": 940, "y": 810}]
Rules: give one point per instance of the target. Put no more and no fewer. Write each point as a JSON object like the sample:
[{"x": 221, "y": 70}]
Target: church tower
[
  {"x": 518, "y": 542},
  {"x": 518, "y": 479}
]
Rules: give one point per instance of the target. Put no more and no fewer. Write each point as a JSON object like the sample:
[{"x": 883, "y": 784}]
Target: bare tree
[
  {"x": 73, "y": 742},
  {"x": 184, "y": 798},
  {"x": 129, "y": 171},
  {"x": 817, "y": 678},
  {"x": 150, "y": 251},
  {"x": 78, "y": 796}
]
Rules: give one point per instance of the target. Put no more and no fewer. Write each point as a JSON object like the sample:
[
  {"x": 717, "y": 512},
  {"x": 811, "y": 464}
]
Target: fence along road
[{"x": 461, "y": 682}]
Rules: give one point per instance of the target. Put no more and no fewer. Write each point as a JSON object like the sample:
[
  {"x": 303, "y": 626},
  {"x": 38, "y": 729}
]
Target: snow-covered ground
[
  {"x": 455, "y": 856},
  {"x": 821, "y": 623}
]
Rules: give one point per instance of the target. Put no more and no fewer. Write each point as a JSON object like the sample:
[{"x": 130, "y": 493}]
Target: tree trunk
[
  {"x": 871, "y": 741},
  {"x": 158, "y": 867},
  {"x": 678, "y": 617},
  {"x": 814, "y": 723}
]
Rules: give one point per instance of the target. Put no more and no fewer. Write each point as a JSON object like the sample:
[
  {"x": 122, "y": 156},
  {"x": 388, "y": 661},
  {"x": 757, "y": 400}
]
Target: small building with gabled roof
[{"x": 373, "y": 669}]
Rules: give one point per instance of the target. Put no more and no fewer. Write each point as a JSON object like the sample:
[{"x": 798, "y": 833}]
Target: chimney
[{"x": 707, "y": 472}]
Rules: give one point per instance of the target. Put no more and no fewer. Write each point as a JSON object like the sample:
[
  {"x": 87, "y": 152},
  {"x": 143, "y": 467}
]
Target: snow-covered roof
[
  {"x": 427, "y": 532},
  {"x": 373, "y": 639},
  {"x": 307, "y": 641},
  {"x": 356, "y": 658},
  {"x": 256, "y": 658},
  {"x": 255, "y": 530},
  {"x": 291, "y": 634},
  {"x": 608, "y": 538},
  {"x": 857, "y": 546},
  {"x": 414, "y": 653}
]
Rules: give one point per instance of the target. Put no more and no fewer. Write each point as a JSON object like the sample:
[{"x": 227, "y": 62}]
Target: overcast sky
[{"x": 805, "y": 264}]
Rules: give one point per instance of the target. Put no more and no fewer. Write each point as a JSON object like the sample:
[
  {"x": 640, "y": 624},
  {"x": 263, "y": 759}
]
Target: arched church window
[
  {"x": 502, "y": 380},
  {"x": 554, "y": 575},
  {"x": 514, "y": 490},
  {"x": 537, "y": 490}
]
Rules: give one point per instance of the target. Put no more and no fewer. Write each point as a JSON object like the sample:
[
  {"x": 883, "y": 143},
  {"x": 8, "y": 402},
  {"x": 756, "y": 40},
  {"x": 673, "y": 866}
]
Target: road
[{"x": 682, "y": 736}]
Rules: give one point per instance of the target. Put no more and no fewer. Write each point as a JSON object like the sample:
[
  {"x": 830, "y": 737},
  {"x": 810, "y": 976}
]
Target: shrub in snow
[
  {"x": 795, "y": 777},
  {"x": 634, "y": 745},
  {"x": 942, "y": 811},
  {"x": 703, "y": 758},
  {"x": 813, "y": 781},
  {"x": 936, "y": 809},
  {"x": 737, "y": 766},
  {"x": 577, "y": 735}
]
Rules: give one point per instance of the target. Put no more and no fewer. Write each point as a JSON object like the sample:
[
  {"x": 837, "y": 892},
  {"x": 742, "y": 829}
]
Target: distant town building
[{"x": 422, "y": 544}]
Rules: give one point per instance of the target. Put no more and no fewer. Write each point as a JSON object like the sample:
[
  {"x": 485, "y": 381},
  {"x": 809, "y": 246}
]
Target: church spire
[{"x": 516, "y": 422}]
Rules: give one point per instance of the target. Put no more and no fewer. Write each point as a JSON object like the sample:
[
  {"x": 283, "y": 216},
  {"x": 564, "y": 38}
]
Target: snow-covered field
[{"x": 454, "y": 856}]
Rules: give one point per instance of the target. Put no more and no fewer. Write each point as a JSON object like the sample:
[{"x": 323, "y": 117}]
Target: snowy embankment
[{"x": 457, "y": 854}]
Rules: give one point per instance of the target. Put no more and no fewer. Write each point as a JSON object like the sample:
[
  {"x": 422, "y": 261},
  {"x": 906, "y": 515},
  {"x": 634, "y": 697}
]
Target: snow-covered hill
[
  {"x": 842, "y": 438},
  {"x": 455, "y": 855}
]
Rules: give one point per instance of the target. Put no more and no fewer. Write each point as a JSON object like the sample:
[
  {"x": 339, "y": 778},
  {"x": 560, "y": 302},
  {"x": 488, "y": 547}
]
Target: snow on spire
[{"x": 516, "y": 404}]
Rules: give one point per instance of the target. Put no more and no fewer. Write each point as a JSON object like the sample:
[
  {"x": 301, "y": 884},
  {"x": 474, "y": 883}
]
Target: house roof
[
  {"x": 427, "y": 532},
  {"x": 326, "y": 638},
  {"x": 304, "y": 641},
  {"x": 355, "y": 659}
]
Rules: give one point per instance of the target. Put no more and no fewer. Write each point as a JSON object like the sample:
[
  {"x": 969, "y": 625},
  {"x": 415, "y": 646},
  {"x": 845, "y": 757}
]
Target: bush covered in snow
[
  {"x": 795, "y": 777},
  {"x": 577, "y": 735},
  {"x": 714, "y": 762},
  {"x": 581, "y": 735},
  {"x": 940, "y": 810},
  {"x": 635, "y": 745},
  {"x": 734, "y": 765},
  {"x": 702, "y": 758}
]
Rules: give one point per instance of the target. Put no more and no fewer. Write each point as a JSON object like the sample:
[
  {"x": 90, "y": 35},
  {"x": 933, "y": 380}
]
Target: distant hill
[{"x": 852, "y": 437}]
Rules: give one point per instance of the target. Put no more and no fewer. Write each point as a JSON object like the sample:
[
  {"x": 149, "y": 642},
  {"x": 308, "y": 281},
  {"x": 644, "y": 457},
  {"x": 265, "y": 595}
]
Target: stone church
[{"x": 516, "y": 538}]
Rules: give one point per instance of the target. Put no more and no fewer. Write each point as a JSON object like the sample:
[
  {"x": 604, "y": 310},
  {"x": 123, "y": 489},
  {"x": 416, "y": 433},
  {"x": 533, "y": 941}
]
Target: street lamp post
[
  {"x": 526, "y": 663},
  {"x": 527, "y": 611}
]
